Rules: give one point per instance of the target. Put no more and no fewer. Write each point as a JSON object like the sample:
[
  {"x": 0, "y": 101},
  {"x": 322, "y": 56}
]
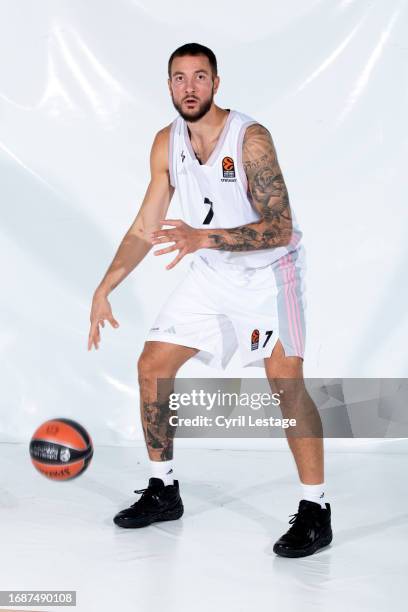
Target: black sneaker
[
  {"x": 157, "y": 503},
  {"x": 311, "y": 530}
]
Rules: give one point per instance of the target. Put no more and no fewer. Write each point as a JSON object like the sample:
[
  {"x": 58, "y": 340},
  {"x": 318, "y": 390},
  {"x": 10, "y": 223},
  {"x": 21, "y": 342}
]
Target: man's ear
[
  {"x": 216, "y": 83},
  {"x": 169, "y": 85}
]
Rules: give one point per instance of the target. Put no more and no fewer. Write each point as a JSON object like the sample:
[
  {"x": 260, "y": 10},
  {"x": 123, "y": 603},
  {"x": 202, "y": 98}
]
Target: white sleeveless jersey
[{"x": 215, "y": 194}]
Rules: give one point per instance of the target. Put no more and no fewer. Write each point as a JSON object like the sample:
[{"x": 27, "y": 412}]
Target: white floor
[{"x": 219, "y": 555}]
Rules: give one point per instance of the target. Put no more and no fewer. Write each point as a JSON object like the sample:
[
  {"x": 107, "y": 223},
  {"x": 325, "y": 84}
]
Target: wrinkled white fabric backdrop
[{"x": 82, "y": 93}]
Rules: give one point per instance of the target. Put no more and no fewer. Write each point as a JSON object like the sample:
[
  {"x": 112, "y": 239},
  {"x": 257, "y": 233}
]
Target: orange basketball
[{"x": 61, "y": 449}]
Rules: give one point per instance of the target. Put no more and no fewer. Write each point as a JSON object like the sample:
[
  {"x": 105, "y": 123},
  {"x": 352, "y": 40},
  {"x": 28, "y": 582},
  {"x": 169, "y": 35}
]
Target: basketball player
[{"x": 244, "y": 286}]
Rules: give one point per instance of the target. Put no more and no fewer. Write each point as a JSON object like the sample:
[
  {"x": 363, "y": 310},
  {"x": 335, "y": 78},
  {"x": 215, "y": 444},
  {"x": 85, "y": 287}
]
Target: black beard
[{"x": 203, "y": 108}]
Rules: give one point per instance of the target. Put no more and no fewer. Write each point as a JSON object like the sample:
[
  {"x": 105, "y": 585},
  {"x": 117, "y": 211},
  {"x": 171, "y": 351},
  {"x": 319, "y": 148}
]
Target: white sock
[
  {"x": 314, "y": 493},
  {"x": 163, "y": 470}
]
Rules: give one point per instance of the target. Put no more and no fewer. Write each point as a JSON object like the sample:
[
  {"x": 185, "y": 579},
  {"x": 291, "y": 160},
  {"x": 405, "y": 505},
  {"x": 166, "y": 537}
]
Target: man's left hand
[{"x": 186, "y": 239}]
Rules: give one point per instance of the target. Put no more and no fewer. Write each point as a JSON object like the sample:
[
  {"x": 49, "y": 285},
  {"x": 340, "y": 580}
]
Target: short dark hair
[{"x": 194, "y": 49}]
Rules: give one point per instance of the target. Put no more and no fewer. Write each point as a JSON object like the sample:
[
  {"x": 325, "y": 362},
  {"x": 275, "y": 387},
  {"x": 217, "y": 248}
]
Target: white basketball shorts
[{"x": 218, "y": 309}]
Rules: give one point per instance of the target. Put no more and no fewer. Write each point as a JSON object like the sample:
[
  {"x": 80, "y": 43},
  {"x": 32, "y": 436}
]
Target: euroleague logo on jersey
[
  {"x": 228, "y": 170},
  {"x": 255, "y": 339}
]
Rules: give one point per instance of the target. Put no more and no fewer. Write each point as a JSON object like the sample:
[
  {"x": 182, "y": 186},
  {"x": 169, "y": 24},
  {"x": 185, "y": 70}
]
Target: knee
[
  {"x": 146, "y": 366},
  {"x": 291, "y": 391},
  {"x": 152, "y": 365}
]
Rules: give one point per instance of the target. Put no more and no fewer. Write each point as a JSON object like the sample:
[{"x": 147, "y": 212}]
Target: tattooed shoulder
[
  {"x": 265, "y": 181},
  {"x": 257, "y": 147}
]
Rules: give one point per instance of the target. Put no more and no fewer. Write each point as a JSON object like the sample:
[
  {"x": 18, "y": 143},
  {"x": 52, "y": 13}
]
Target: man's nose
[{"x": 190, "y": 86}]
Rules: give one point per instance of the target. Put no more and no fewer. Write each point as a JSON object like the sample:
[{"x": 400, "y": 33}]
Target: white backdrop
[{"x": 82, "y": 93}]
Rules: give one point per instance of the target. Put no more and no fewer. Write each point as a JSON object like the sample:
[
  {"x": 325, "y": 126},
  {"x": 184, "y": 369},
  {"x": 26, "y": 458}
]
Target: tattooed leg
[
  {"x": 158, "y": 432},
  {"x": 159, "y": 360}
]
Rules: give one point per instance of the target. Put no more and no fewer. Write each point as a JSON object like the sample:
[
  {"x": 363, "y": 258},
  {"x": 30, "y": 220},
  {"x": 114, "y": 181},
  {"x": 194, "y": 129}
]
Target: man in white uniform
[{"x": 244, "y": 288}]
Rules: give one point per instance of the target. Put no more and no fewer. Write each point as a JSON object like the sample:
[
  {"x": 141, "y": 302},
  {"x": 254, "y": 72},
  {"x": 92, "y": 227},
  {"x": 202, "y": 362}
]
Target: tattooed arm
[{"x": 269, "y": 195}]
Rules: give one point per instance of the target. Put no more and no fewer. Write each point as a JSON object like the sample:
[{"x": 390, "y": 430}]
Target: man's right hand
[{"x": 100, "y": 312}]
